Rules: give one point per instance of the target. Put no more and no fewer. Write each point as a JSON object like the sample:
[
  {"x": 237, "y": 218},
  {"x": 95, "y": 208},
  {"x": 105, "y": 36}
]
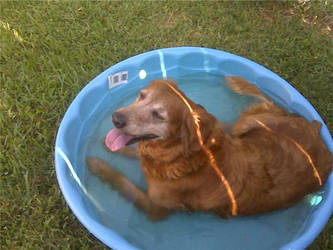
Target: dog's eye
[
  {"x": 157, "y": 115},
  {"x": 142, "y": 96}
]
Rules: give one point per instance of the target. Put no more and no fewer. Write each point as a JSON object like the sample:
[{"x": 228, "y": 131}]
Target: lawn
[{"x": 50, "y": 50}]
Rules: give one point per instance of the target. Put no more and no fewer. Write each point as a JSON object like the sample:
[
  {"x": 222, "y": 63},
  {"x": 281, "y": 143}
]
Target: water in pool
[{"x": 182, "y": 230}]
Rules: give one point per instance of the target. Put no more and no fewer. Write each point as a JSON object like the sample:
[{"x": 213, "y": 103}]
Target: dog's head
[
  {"x": 159, "y": 113},
  {"x": 154, "y": 112}
]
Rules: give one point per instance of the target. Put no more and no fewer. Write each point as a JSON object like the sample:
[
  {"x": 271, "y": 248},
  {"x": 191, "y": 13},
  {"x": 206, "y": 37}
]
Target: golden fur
[{"x": 265, "y": 168}]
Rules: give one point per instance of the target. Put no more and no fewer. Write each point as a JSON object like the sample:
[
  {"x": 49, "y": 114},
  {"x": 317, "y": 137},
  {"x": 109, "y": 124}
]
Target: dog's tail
[{"x": 243, "y": 87}]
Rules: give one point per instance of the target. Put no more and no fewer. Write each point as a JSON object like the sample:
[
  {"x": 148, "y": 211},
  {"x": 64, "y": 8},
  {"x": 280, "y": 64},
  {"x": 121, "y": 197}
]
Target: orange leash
[
  {"x": 209, "y": 153},
  {"x": 301, "y": 149}
]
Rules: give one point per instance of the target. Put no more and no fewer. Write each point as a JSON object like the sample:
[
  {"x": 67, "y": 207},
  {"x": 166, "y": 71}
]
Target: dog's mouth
[{"x": 116, "y": 139}]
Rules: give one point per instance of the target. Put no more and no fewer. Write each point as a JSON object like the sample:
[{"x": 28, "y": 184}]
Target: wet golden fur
[{"x": 266, "y": 171}]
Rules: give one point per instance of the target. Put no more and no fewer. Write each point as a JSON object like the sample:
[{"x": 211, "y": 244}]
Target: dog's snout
[{"x": 118, "y": 120}]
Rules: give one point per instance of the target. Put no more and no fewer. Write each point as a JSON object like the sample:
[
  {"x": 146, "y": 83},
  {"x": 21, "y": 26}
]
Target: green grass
[{"x": 51, "y": 50}]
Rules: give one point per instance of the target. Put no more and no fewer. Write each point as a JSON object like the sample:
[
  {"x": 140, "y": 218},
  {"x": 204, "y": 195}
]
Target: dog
[{"x": 268, "y": 160}]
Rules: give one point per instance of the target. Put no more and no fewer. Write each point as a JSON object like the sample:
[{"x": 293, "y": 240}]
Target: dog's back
[{"x": 285, "y": 155}]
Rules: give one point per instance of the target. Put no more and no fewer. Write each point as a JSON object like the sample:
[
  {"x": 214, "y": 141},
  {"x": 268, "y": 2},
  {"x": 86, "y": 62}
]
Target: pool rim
[{"x": 104, "y": 233}]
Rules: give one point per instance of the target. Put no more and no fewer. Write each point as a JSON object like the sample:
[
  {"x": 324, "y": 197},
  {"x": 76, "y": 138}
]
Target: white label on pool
[{"x": 117, "y": 79}]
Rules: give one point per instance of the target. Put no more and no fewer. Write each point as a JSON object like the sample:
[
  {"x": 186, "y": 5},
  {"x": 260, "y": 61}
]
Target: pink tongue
[{"x": 116, "y": 139}]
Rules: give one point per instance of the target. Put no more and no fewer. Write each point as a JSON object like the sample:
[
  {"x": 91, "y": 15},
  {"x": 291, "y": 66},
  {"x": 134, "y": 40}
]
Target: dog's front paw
[
  {"x": 104, "y": 171},
  {"x": 158, "y": 214},
  {"x": 99, "y": 167},
  {"x": 95, "y": 165}
]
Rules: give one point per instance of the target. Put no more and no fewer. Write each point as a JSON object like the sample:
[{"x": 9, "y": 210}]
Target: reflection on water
[{"x": 183, "y": 230}]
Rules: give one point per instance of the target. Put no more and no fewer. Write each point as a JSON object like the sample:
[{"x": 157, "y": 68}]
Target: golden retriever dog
[{"x": 267, "y": 160}]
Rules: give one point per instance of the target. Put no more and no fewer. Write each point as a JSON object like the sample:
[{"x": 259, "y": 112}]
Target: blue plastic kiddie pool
[{"x": 200, "y": 74}]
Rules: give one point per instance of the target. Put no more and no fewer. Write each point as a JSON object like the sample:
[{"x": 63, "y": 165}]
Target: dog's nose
[{"x": 118, "y": 120}]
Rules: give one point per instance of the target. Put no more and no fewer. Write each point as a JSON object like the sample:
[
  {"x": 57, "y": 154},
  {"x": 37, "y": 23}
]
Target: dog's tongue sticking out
[{"x": 116, "y": 139}]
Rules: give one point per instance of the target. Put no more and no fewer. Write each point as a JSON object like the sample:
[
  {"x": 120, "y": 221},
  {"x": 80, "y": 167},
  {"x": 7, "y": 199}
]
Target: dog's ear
[{"x": 189, "y": 133}]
